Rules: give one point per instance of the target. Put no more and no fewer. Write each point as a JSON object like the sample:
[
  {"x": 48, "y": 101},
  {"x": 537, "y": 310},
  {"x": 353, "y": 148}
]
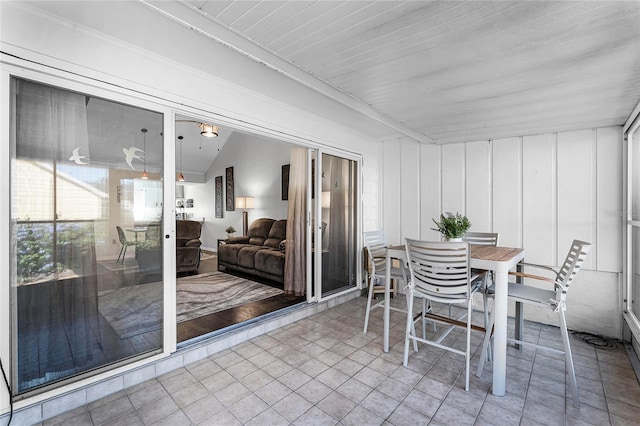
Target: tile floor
[{"x": 324, "y": 370}]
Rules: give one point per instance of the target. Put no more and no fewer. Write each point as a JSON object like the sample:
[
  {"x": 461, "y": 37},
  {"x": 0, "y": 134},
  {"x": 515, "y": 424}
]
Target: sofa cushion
[
  {"x": 187, "y": 230},
  {"x": 270, "y": 261},
  {"x": 277, "y": 233},
  {"x": 193, "y": 243},
  {"x": 247, "y": 254},
  {"x": 228, "y": 253},
  {"x": 259, "y": 230}
]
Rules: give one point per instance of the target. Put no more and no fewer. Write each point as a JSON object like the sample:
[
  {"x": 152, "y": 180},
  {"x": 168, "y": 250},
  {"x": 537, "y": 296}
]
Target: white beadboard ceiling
[{"x": 455, "y": 71}]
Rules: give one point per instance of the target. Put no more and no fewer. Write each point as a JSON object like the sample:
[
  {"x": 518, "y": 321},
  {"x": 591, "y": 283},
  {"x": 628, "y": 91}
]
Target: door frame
[{"x": 631, "y": 132}]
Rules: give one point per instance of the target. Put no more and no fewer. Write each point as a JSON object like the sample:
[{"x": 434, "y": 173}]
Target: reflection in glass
[
  {"x": 339, "y": 226},
  {"x": 75, "y": 177}
]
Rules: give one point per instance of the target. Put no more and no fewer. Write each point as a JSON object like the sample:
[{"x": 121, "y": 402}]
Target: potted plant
[
  {"x": 230, "y": 230},
  {"x": 452, "y": 226},
  {"x": 148, "y": 254}
]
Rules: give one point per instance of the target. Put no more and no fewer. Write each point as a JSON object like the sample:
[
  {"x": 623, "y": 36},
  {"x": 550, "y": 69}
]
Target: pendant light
[
  {"x": 208, "y": 131},
  {"x": 180, "y": 175},
  {"x": 145, "y": 175}
]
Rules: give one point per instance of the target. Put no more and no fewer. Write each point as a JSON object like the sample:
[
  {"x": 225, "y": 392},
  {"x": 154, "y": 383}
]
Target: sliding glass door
[
  {"x": 335, "y": 239},
  {"x": 86, "y": 220}
]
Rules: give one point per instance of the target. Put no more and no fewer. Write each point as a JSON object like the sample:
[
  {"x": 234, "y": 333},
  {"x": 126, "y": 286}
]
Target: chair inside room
[
  {"x": 440, "y": 273},
  {"x": 375, "y": 246},
  {"x": 124, "y": 242},
  {"x": 553, "y": 299},
  {"x": 188, "y": 244}
]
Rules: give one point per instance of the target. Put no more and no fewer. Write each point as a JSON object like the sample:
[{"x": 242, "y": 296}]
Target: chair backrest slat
[
  {"x": 569, "y": 269},
  {"x": 481, "y": 238},
  {"x": 439, "y": 270},
  {"x": 375, "y": 243}
]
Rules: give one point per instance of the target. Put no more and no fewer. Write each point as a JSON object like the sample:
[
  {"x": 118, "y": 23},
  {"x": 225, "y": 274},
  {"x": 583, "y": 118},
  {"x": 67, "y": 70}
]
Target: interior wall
[
  {"x": 257, "y": 169},
  {"x": 538, "y": 192}
]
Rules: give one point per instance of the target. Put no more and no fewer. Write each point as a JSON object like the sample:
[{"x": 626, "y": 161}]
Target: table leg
[
  {"x": 387, "y": 301},
  {"x": 500, "y": 331}
]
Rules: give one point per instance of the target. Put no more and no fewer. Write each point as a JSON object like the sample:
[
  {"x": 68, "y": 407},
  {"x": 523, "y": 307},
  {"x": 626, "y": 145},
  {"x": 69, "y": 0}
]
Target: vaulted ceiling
[{"x": 454, "y": 71}]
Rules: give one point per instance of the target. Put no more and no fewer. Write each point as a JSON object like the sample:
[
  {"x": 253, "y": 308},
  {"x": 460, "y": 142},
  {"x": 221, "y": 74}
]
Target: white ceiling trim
[{"x": 194, "y": 19}]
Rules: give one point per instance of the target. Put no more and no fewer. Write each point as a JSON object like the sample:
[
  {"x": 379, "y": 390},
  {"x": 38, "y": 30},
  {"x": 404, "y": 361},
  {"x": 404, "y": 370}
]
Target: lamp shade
[{"x": 245, "y": 203}]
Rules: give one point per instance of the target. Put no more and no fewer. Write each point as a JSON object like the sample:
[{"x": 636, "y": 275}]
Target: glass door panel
[
  {"x": 337, "y": 234},
  {"x": 635, "y": 273},
  {"x": 86, "y": 215}
]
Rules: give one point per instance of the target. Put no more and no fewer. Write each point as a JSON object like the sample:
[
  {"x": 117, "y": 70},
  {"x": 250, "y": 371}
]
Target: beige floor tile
[
  {"x": 324, "y": 371},
  {"x": 292, "y": 406},
  {"x": 336, "y": 405},
  {"x": 202, "y": 409}
]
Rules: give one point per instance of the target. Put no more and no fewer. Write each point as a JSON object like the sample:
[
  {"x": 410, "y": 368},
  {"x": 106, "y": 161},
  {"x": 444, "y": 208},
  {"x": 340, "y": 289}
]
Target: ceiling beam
[{"x": 195, "y": 19}]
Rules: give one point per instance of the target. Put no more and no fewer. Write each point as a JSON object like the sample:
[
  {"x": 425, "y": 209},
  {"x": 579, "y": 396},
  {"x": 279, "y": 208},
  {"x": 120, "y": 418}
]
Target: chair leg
[
  {"x": 486, "y": 320},
  {"x": 485, "y": 344},
  {"x": 573, "y": 384},
  {"x": 468, "y": 350},
  {"x": 413, "y": 324},
  {"x": 405, "y": 359},
  {"x": 120, "y": 254},
  {"x": 369, "y": 298},
  {"x": 424, "y": 319},
  {"x": 124, "y": 253}
]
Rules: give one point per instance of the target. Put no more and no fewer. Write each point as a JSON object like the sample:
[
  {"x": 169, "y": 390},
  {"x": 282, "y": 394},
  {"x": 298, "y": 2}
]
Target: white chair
[
  {"x": 375, "y": 245},
  {"x": 483, "y": 239},
  {"x": 440, "y": 273},
  {"x": 551, "y": 299}
]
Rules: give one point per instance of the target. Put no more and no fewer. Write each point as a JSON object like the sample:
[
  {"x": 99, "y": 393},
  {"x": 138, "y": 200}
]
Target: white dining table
[{"x": 497, "y": 259}]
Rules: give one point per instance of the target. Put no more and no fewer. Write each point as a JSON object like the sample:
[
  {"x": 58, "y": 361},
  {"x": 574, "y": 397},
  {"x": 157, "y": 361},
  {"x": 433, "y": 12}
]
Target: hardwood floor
[{"x": 196, "y": 327}]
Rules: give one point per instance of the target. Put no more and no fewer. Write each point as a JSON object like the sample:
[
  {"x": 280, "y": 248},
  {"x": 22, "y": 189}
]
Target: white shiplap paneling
[
  {"x": 430, "y": 190},
  {"x": 539, "y": 198},
  {"x": 478, "y": 181},
  {"x": 391, "y": 212},
  {"x": 453, "y": 178},
  {"x": 507, "y": 190},
  {"x": 535, "y": 204},
  {"x": 410, "y": 189},
  {"x": 609, "y": 214},
  {"x": 576, "y": 191}
]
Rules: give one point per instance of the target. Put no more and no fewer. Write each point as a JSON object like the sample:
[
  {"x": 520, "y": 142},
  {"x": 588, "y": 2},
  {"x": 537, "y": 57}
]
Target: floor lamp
[{"x": 245, "y": 203}]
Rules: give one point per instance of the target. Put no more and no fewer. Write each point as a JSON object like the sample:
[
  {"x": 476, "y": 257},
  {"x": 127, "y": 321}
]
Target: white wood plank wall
[{"x": 539, "y": 192}]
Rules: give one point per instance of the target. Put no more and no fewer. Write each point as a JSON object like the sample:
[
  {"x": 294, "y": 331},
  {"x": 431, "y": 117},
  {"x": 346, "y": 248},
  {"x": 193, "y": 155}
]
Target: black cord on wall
[{"x": 6, "y": 382}]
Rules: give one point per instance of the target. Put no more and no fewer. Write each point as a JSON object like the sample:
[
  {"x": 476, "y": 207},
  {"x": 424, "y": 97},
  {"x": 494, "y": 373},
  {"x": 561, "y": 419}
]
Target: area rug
[
  {"x": 206, "y": 255},
  {"x": 204, "y": 294},
  {"x": 138, "y": 309}
]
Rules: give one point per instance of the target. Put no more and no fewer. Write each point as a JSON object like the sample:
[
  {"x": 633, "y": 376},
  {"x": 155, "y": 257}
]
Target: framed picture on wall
[
  {"x": 230, "y": 205},
  {"x": 219, "y": 213},
  {"x": 285, "y": 182}
]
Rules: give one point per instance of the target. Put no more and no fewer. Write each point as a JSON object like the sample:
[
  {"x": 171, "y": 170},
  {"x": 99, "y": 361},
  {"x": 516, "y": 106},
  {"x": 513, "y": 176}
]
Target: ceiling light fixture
[
  {"x": 145, "y": 175},
  {"x": 180, "y": 175},
  {"x": 208, "y": 130}
]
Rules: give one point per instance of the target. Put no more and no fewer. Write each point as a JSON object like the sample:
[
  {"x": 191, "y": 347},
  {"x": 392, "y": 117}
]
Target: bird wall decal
[
  {"x": 77, "y": 158},
  {"x": 130, "y": 155}
]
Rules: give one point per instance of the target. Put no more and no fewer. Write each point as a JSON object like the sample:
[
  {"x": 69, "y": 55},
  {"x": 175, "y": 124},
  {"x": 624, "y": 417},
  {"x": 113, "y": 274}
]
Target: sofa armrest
[
  {"x": 237, "y": 240},
  {"x": 193, "y": 243}
]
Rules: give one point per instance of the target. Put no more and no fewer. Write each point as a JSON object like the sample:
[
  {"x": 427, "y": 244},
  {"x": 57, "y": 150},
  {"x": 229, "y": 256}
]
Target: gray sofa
[{"x": 260, "y": 253}]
